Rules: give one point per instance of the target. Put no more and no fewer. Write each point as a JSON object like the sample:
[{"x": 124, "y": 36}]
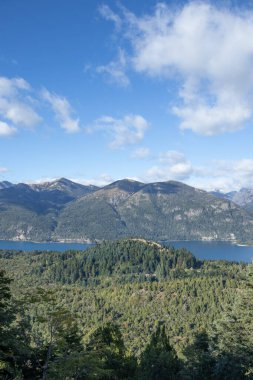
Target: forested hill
[
  {"x": 129, "y": 310},
  {"x": 127, "y": 259}
]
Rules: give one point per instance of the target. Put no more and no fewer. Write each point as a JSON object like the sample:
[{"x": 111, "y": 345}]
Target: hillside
[
  {"x": 126, "y": 260},
  {"x": 63, "y": 210},
  {"x": 131, "y": 287},
  {"x": 31, "y": 211},
  {"x": 243, "y": 198},
  {"x": 161, "y": 211}
]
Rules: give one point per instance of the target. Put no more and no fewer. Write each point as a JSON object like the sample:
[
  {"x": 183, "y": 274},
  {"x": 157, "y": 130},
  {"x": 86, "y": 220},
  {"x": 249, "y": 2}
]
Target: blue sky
[{"x": 97, "y": 91}]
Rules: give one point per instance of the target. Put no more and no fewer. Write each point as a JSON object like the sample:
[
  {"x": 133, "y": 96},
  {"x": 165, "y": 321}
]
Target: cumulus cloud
[
  {"x": 3, "y": 170},
  {"x": 171, "y": 165},
  {"x": 100, "y": 180},
  {"x": 224, "y": 175},
  {"x": 115, "y": 70},
  {"x": 210, "y": 121},
  {"x": 63, "y": 111},
  {"x": 6, "y": 130},
  {"x": 16, "y": 106},
  {"x": 207, "y": 51},
  {"x": 128, "y": 130},
  {"x": 233, "y": 174},
  {"x": 141, "y": 153}
]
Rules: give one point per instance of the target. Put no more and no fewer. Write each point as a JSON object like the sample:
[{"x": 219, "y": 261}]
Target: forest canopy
[{"x": 129, "y": 309}]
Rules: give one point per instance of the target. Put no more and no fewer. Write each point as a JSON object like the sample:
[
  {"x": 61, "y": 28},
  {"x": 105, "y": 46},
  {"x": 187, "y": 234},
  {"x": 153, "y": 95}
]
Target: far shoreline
[{"x": 90, "y": 242}]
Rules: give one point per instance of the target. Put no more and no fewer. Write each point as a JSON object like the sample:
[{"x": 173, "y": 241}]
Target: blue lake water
[
  {"x": 31, "y": 246},
  {"x": 202, "y": 250},
  {"x": 216, "y": 250}
]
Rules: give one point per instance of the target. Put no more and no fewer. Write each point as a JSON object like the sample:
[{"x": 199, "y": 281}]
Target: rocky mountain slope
[
  {"x": 63, "y": 210},
  {"x": 243, "y": 197},
  {"x": 5, "y": 184}
]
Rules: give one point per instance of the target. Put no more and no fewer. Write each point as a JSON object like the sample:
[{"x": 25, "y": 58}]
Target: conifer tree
[{"x": 159, "y": 361}]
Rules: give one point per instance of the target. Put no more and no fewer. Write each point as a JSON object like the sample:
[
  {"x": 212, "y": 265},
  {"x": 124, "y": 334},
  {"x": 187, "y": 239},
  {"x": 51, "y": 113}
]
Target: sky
[{"x": 97, "y": 91}]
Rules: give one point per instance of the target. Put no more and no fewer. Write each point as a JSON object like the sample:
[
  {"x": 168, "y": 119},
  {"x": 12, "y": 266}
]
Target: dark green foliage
[
  {"x": 107, "y": 343},
  {"x": 6, "y": 334},
  {"x": 128, "y": 260},
  {"x": 159, "y": 360},
  {"x": 199, "y": 358},
  {"x": 13, "y": 339}
]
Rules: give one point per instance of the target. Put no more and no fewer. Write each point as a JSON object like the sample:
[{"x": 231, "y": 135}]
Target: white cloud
[
  {"x": 235, "y": 173},
  {"x": 16, "y": 105},
  {"x": 115, "y": 70},
  {"x": 3, "y": 170},
  {"x": 101, "y": 180},
  {"x": 141, "y": 153},
  {"x": 10, "y": 87},
  {"x": 172, "y": 165},
  {"x": 128, "y": 130},
  {"x": 225, "y": 175},
  {"x": 208, "y": 52},
  {"x": 6, "y": 130},
  {"x": 180, "y": 172},
  {"x": 63, "y": 111},
  {"x": 171, "y": 157},
  {"x": 109, "y": 15},
  {"x": 209, "y": 121}
]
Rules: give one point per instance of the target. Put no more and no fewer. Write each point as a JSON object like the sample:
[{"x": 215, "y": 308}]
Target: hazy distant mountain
[
  {"x": 31, "y": 211},
  {"x": 5, "y": 184},
  {"x": 220, "y": 194},
  {"x": 62, "y": 210},
  {"x": 66, "y": 186},
  {"x": 243, "y": 197}
]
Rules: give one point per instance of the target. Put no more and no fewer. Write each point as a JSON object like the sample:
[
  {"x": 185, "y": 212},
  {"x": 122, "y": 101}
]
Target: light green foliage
[{"x": 233, "y": 334}]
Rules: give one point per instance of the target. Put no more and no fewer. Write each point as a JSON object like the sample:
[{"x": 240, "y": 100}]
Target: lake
[{"x": 201, "y": 249}]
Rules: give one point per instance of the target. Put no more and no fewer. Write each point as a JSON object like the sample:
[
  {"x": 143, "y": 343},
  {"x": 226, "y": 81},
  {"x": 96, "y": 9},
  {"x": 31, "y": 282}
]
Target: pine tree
[
  {"x": 159, "y": 360},
  {"x": 199, "y": 359}
]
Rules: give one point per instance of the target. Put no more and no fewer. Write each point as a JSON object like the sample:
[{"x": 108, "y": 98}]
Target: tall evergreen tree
[
  {"x": 199, "y": 359},
  {"x": 159, "y": 361}
]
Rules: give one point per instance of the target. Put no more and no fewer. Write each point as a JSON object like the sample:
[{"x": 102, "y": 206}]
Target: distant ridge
[
  {"x": 62, "y": 210},
  {"x": 5, "y": 184},
  {"x": 243, "y": 197},
  {"x": 65, "y": 185}
]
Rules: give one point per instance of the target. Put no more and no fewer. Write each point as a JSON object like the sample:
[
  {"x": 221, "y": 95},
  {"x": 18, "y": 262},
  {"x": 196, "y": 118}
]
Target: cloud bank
[
  {"x": 224, "y": 175},
  {"x": 207, "y": 51}
]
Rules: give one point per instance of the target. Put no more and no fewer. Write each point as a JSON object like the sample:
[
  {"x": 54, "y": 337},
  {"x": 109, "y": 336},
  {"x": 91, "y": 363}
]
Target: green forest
[{"x": 128, "y": 309}]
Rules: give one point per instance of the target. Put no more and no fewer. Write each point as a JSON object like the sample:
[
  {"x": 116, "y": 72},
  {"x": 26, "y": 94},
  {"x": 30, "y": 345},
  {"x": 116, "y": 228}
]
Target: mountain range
[
  {"x": 243, "y": 197},
  {"x": 63, "y": 210}
]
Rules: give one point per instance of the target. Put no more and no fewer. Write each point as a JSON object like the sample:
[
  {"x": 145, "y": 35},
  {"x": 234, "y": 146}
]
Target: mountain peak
[
  {"x": 128, "y": 185},
  {"x": 5, "y": 185}
]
